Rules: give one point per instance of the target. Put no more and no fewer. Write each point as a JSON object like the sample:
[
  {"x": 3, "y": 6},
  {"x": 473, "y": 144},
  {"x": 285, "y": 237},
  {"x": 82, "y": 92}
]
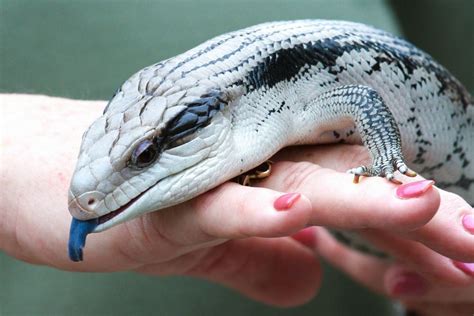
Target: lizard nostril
[{"x": 86, "y": 205}]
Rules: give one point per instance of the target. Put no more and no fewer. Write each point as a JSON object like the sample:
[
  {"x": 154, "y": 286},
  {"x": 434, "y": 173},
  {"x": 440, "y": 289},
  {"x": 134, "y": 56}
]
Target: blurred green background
[{"x": 85, "y": 49}]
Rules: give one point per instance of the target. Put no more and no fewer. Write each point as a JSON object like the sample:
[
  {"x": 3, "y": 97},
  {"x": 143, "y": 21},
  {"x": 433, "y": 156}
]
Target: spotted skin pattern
[{"x": 229, "y": 104}]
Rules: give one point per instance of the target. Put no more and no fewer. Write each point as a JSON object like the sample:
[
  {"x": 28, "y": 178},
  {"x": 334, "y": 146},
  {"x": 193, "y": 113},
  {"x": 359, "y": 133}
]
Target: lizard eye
[{"x": 144, "y": 154}]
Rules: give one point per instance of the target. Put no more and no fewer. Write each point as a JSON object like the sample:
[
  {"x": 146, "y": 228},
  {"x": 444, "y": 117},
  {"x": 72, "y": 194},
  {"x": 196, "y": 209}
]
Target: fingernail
[
  {"x": 414, "y": 189},
  {"x": 306, "y": 236},
  {"x": 468, "y": 222},
  {"x": 286, "y": 201},
  {"x": 409, "y": 284},
  {"x": 465, "y": 267}
]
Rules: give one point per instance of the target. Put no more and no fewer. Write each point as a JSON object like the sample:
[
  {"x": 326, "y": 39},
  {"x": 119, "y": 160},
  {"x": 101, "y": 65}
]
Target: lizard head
[{"x": 149, "y": 150}]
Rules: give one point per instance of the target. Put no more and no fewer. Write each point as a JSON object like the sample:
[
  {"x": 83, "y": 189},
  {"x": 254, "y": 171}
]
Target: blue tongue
[{"x": 77, "y": 236}]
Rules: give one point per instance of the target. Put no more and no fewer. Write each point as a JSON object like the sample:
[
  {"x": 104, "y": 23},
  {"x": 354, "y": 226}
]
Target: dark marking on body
[
  {"x": 430, "y": 170},
  {"x": 419, "y": 155},
  {"x": 286, "y": 64},
  {"x": 424, "y": 142},
  {"x": 270, "y": 112},
  {"x": 463, "y": 182},
  {"x": 195, "y": 116}
]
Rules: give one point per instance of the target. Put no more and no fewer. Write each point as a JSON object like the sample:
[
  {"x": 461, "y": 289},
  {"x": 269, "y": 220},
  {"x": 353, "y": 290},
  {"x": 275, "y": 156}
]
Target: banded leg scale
[{"x": 374, "y": 121}]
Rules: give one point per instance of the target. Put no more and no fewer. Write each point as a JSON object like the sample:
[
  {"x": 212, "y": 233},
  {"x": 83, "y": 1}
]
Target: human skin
[{"x": 223, "y": 235}]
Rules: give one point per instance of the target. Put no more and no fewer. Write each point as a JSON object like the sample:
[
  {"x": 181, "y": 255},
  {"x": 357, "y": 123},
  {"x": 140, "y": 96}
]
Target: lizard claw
[
  {"x": 383, "y": 167},
  {"x": 391, "y": 177},
  {"x": 410, "y": 173},
  {"x": 357, "y": 172},
  {"x": 356, "y": 178},
  {"x": 402, "y": 167}
]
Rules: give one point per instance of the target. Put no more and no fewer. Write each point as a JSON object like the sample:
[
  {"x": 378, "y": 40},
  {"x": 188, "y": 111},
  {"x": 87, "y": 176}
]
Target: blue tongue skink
[{"x": 180, "y": 127}]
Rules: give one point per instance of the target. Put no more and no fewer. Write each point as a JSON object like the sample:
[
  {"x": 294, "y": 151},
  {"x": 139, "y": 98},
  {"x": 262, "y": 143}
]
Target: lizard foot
[{"x": 383, "y": 166}]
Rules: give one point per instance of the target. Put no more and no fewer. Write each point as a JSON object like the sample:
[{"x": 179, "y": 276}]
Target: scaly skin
[{"x": 180, "y": 127}]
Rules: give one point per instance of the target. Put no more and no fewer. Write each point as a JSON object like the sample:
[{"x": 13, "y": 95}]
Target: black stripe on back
[{"x": 286, "y": 64}]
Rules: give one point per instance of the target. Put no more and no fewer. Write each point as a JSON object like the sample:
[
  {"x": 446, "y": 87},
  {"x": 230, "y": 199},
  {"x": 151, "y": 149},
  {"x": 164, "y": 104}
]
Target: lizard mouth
[
  {"x": 81, "y": 228},
  {"x": 104, "y": 220},
  {"x": 107, "y": 217}
]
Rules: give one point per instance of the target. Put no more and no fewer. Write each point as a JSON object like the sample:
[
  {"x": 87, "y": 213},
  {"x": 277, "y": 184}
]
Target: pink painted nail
[
  {"x": 409, "y": 284},
  {"x": 286, "y": 201},
  {"x": 468, "y": 222},
  {"x": 465, "y": 267},
  {"x": 414, "y": 189},
  {"x": 306, "y": 236}
]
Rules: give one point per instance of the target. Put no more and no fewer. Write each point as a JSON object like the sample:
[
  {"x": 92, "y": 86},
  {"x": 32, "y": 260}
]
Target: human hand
[
  {"x": 425, "y": 280},
  {"x": 216, "y": 236}
]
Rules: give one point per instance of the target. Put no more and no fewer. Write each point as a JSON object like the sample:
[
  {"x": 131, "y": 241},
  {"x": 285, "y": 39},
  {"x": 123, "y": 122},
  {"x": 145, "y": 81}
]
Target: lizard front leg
[{"x": 375, "y": 123}]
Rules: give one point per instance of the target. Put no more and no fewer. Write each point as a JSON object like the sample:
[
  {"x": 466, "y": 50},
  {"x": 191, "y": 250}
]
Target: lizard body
[{"x": 182, "y": 126}]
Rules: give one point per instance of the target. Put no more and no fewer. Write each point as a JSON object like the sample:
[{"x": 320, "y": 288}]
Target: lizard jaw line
[{"x": 117, "y": 216}]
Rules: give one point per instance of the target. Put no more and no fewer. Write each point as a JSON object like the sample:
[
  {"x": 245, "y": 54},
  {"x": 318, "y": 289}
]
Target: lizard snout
[{"x": 84, "y": 206}]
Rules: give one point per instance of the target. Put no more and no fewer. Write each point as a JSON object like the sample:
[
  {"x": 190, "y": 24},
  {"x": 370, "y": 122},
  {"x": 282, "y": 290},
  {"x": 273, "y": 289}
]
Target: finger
[
  {"x": 276, "y": 271},
  {"x": 403, "y": 283},
  {"x": 338, "y": 202},
  {"x": 450, "y": 231},
  {"x": 365, "y": 269},
  {"x": 392, "y": 279},
  {"x": 234, "y": 211},
  {"x": 454, "y": 214},
  {"x": 306, "y": 236},
  {"x": 339, "y": 157},
  {"x": 431, "y": 265},
  {"x": 227, "y": 212}
]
